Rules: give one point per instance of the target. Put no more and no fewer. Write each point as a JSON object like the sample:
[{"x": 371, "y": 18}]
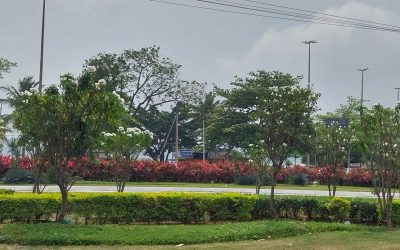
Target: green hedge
[{"x": 101, "y": 208}]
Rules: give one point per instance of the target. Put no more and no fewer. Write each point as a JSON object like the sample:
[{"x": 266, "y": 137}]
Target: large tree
[
  {"x": 277, "y": 108},
  {"x": 142, "y": 77},
  {"x": 65, "y": 122}
]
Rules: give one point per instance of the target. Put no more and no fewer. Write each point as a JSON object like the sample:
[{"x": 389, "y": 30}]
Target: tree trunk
[
  {"x": 329, "y": 188},
  {"x": 64, "y": 202},
  {"x": 272, "y": 198},
  {"x": 258, "y": 183}
]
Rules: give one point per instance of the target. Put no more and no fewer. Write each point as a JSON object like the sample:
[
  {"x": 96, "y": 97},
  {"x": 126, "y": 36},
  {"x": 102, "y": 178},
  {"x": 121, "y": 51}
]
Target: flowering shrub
[
  {"x": 359, "y": 177},
  {"x": 5, "y": 163},
  {"x": 224, "y": 171}
]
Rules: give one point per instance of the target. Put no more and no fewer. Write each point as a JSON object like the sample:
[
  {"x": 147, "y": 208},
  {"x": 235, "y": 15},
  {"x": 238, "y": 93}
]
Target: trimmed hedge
[{"x": 102, "y": 208}]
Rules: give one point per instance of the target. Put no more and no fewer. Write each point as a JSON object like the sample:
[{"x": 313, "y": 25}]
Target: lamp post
[
  {"x": 398, "y": 94},
  {"x": 309, "y": 61},
  {"x": 362, "y": 86},
  {"x": 309, "y": 79},
  {"x": 42, "y": 49}
]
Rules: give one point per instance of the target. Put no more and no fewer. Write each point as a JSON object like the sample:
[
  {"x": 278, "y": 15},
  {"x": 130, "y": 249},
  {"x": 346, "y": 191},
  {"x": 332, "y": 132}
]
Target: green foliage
[
  {"x": 381, "y": 127},
  {"x": 60, "y": 234},
  {"x": 364, "y": 211},
  {"x": 122, "y": 208},
  {"x": 5, "y": 66},
  {"x": 17, "y": 175},
  {"x": 339, "y": 209},
  {"x": 130, "y": 207},
  {"x": 6, "y": 191},
  {"x": 298, "y": 179}
]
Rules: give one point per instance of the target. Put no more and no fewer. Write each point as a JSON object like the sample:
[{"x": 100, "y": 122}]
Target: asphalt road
[{"x": 28, "y": 188}]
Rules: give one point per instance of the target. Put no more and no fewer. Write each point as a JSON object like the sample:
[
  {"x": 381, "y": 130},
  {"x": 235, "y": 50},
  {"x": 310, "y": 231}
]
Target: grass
[
  {"x": 64, "y": 234},
  {"x": 329, "y": 240}
]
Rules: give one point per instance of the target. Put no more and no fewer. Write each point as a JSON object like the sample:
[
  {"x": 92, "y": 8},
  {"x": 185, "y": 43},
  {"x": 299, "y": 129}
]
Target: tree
[
  {"x": 200, "y": 113},
  {"x": 333, "y": 141},
  {"x": 121, "y": 146},
  {"x": 26, "y": 84},
  {"x": 381, "y": 127},
  {"x": 161, "y": 124},
  {"x": 278, "y": 109},
  {"x": 142, "y": 77},
  {"x": 5, "y": 66},
  {"x": 259, "y": 161},
  {"x": 65, "y": 123}
]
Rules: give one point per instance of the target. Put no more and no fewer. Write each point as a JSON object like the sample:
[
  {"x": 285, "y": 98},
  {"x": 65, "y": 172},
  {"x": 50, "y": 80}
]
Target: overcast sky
[{"x": 212, "y": 47}]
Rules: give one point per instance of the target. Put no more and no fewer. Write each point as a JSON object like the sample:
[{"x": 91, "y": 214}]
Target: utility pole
[
  {"x": 42, "y": 49},
  {"x": 309, "y": 79}
]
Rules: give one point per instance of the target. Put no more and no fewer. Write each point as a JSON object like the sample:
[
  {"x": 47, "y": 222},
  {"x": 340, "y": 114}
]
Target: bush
[
  {"x": 298, "y": 179},
  {"x": 251, "y": 180},
  {"x": 6, "y": 191},
  {"x": 101, "y": 208},
  {"x": 17, "y": 175},
  {"x": 339, "y": 209},
  {"x": 364, "y": 211}
]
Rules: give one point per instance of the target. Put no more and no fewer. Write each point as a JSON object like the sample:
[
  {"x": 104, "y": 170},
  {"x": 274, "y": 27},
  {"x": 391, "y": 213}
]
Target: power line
[
  {"x": 273, "y": 17},
  {"x": 359, "y": 22},
  {"x": 319, "y": 13},
  {"x": 290, "y": 14}
]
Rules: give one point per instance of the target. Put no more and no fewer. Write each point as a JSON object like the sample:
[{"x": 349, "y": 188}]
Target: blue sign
[{"x": 185, "y": 153}]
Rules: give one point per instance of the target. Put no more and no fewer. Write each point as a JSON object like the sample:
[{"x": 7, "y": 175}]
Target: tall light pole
[
  {"x": 398, "y": 94},
  {"x": 177, "y": 136},
  {"x": 42, "y": 49},
  {"x": 362, "y": 87},
  {"x": 309, "y": 79},
  {"x": 309, "y": 61}
]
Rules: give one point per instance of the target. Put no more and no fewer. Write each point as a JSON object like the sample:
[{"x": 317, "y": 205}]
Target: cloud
[{"x": 334, "y": 59}]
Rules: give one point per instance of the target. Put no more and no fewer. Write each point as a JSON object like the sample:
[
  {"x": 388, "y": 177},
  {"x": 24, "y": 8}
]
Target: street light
[
  {"x": 362, "y": 86},
  {"x": 398, "y": 94},
  {"x": 42, "y": 49},
  {"x": 309, "y": 78},
  {"x": 309, "y": 61}
]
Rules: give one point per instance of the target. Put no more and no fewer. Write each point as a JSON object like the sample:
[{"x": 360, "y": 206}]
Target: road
[{"x": 28, "y": 188}]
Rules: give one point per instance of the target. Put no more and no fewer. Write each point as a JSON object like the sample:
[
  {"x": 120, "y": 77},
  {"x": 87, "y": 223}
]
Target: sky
[{"x": 211, "y": 46}]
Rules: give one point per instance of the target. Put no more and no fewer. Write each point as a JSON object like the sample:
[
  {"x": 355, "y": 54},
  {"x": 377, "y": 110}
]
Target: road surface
[{"x": 27, "y": 188}]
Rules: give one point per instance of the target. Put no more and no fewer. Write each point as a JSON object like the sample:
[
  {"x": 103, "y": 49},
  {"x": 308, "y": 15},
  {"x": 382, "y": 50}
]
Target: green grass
[
  {"x": 63, "y": 234},
  {"x": 329, "y": 240}
]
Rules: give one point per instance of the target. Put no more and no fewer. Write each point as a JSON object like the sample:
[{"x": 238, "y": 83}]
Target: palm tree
[
  {"x": 13, "y": 93},
  {"x": 202, "y": 110}
]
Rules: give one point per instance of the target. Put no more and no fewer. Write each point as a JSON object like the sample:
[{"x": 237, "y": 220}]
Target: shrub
[
  {"x": 5, "y": 163},
  {"x": 251, "y": 180},
  {"x": 339, "y": 209},
  {"x": 364, "y": 211},
  {"x": 17, "y": 175},
  {"x": 298, "y": 179},
  {"x": 101, "y": 208},
  {"x": 6, "y": 191}
]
